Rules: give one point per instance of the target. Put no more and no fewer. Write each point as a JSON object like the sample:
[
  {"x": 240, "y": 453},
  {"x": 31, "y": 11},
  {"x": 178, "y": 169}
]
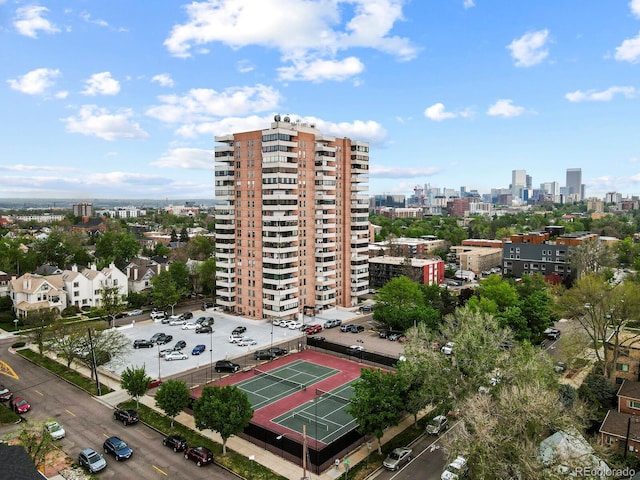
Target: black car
[
  {"x": 204, "y": 329},
  {"x": 357, "y": 329},
  {"x": 126, "y": 416},
  {"x": 314, "y": 340},
  {"x": 154, "y": 338},
  {"x": 206, "y": 305},
  {"x": 180, "y": 344},
  {"x": 176, "y": 442},
  {"x": 226, "y": 366},
  {"x": 186, "y": 316},
  {"x": 277, "y": 351},
  {"x": 264, "y": 355},
  {"x": 117, "y": 447},
  {"x": 142, "y": 344},
  {"x": 200, "y": 455},
  {"x": 239, "y": 330},
  {"x": 164, "y": 339}
]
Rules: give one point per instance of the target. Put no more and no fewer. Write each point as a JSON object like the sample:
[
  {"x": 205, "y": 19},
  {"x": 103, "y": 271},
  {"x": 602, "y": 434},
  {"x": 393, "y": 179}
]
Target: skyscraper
[
  {"x": 519, "y": 183},
  {"x": 292, "y": 226},
  {"x": 574, "y": 183}
]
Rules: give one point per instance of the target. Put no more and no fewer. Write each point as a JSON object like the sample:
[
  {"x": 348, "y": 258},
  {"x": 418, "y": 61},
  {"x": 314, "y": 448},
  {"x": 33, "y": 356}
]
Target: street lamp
[
  {"x": 159, "y": 377},
  {"x": 279, "y": 438},
  {"x": 211, "y": 352}
]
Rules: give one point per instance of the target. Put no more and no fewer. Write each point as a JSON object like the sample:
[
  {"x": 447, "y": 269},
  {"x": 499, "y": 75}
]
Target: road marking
[
  {"x": 5, "y": 369},
  {"x": 161, "y": 471},
  {"x": 105, "y": 435},
  {"x": 39, "y": 393},
  {"x": 70, "y": 413}
]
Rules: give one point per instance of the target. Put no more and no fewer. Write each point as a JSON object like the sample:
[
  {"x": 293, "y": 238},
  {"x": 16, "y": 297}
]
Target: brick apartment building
[{"x": 291, "y": 220}]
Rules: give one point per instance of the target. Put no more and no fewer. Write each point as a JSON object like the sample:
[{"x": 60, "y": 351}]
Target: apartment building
[{"x": 291, "y": 220}]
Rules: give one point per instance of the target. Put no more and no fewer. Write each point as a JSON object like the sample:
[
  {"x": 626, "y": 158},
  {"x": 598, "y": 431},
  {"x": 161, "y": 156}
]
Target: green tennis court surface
[
  {"x": 267, "y": 387},
  {"x": 325, "y": 416}
]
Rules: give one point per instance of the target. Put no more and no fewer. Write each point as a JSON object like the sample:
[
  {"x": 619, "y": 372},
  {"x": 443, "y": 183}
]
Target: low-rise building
[
  {"x": 620, "y": 429},
  {"x": 424, "y": 271}
]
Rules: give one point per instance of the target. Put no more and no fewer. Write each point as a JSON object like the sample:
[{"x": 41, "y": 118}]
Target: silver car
[{"x": 397, "y": 458}]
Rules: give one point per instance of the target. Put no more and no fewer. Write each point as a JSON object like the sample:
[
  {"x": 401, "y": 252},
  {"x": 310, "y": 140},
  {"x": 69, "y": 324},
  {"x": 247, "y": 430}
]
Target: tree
[
  {"x": 184, "y": 235},
  {"x": 377, "y": 402},
  {"x": 165, "y": 292},
  {"x": 116, "y": 247},
  {"x": 172, "y": 397},
  {"x": 38, "y": 321},
  {"x": 52, "y": 250},
  {"x": 225, "y": 410},
  {"x": 180, "y": 276},
  {"x": 135, "y": 381},
  {"x": 108, "y": 345},
  {"x": 111, "y": 302},
  {"x": 67, "y": 340},
  {"x": 37, "y": 443},
  {"x": 590, "y": 256},
  {"x": 207, "y": 271}
]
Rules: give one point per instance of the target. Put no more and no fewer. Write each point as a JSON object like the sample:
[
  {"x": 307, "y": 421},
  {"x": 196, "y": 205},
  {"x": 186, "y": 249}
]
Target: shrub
[
  {"x": 70, "y": 311},
  {"x": 18, "y": 345}
]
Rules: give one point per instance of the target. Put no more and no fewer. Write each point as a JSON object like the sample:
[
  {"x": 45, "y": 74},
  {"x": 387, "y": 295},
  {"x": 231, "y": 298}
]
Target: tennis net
[
  {"x": 275, "y": 378},
  {"x": 333, "y": 396}
]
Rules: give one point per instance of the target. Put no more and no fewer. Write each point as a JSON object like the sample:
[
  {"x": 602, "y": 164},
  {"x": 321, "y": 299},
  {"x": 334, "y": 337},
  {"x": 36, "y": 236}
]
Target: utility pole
[{"x": 93, "y": 363}]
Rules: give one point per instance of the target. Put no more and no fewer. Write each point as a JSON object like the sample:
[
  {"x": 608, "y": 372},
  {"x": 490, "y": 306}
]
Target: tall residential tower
[{"x": 292, "y": 227}]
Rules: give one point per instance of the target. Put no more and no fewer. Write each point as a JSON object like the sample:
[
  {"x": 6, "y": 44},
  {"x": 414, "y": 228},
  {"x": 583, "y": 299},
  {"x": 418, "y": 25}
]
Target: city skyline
[{"x": 105, "y": 101}]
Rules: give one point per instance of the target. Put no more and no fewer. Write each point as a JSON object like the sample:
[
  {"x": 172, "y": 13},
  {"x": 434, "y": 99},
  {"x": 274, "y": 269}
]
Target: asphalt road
[{"x": 88, "y": 423}]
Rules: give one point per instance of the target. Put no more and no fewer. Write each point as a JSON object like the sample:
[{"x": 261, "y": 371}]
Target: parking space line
[
  {"x": 160, "y": 470},
  {"x": 70, "y": 413},
  {"x": 39, "y": 393}
]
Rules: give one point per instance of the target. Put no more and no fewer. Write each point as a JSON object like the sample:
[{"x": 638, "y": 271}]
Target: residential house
[
  {"x": 5, "y": 278},
  {"x": 93, "y": 225},
  {"x": 627, "y": 365},
  {"x": 34, "y": 292},
  {"x": 140, "y": 271},
  {"x": 621, "y": 429},
  {"x": 17, "y": 464}
]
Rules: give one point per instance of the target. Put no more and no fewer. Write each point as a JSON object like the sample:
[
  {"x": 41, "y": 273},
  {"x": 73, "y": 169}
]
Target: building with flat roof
[
  {"x": 426, "y": 271},
  {"x": 291, "y": 220}
]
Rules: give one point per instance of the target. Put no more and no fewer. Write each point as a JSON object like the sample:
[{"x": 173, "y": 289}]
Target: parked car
[
  {"x": 155, "y": 383},
  {"x": 186, "y": 315},
  {"x": 141, "y": 343},
  {"x": 277, "y": 351},
  {"x": 176, "y": 442},
  {"x": 437, "y": 425},
  {"x": 198, "y": 349},
  {"x": 176, "y": 320},
  {"x": 246, "y": 342},
  {"x": 313, "y": 329},
  {"x": 355, "y": 348},
  {"x": 204, "y": 329},
  {"x": 397, "y": 457},
  {"x": 54, "y": 429},
  {"x": 346, "y": 327},
  {"x": 91, "y": 460},
  {"x": 235, "y": 338},
  {"x": 162, "y": 353},
  {"x": 200, "y": 455},
  {"x": 205, "y": 321},
  {"x": 552, "y": 333},
  {"x": 447, "y": 348},
  {"x": 5, "y": 393},
  {"x": 226, "y": 366},
  {"x": 357, "y": 329},
  {"x": 154, "y": 338},
  {"x": 190, "y": 326},
  {"x": 164, "y": 339},
  {"x": 264, "y": 355},
  {"x": 560, "y": 367},
  {"x": 118, "y": 448},
  {"x": 315, "y": 339},
  {"x": 19, "y": 405},
  {"x": 176, "y": 355},
  {"x": 207, "y": 304},
  {"x": 180, "y": 344},
  {"x": 368, "y": 308},
  {"x": 238, "y": 330},
  {"x": 295, "y": 325},
  {"x": 158, "y": 315},
  {"x": 384, "y": 333},
  {"x": 394, "y": 336},
  {"x": 134, "y": 312},
  {"x": 332, "y": 323},
  {"x": 127, "y": 416},
  {"x": 456, "y": 469},
  {"x": 276, "y": 322}
]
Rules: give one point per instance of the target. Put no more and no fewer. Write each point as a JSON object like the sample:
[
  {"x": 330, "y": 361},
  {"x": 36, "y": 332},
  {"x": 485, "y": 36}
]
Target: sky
[{"x": 122, "y": 99}]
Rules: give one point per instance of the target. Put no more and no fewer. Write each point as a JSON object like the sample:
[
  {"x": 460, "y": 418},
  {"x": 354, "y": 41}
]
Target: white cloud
[
  {"x": 87, "y": 18},
  {"x": 245, "y": 66},
  {"x": 505, "y": 108},
  {"x": 201, "y": 104},
  {"x": 529, "y": 49},
  {"x": 101, "y": 84},
  {"x": 35, "y": 168},
  {"x": 34, "y": 82},
  {"x": 437, "y": 113},
  {"x": 381, "y": 171},
  {"x": 92, "y": 120},
  {"x": 319, "y": 70},
  {"x": 303, "y": 31},
  {"x": 634, "y": 5},
  {"x": 164, "y": 79},
  {"x": 603, "y": 96},
  {"x": 29, "y": 20},
  {"x": 469, "y": 4},
  {"x": 187, "y": 158},
  {"x": 62, "y": 94},
  {"x": 629, "y": 51}
]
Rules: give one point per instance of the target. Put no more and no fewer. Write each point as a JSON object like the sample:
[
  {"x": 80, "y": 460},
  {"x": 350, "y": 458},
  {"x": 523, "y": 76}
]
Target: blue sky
[{"x": 122, "y": 99}]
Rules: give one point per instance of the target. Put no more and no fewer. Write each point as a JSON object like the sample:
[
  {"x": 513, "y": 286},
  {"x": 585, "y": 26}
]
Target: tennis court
[
  {"x": 325, "y": 416},
  {"x": 267, "y": 387}
]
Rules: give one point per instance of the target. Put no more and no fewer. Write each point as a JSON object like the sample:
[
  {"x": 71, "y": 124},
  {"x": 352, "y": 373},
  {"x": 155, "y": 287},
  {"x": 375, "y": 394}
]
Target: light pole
[
  {"x": 211, "y": 352},
  {"x": 159, "y": 377},
  {"x": 279, "y": 438}
]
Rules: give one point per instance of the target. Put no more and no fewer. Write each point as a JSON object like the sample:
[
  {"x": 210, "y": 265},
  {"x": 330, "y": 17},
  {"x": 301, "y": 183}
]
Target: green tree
[
  {"x": 207, "y": 272},
  {"x": 116, "y": 247},
  {"x": 111, "y": 303},
  {"x": 174, "y": 236},
  {"x": 67, "y": 340},
  {"x": 38, "y": 323},
  {"x": 180, "y": 276},
  {"x": 135, "y": 381},
  {"x": 184, "y": 235},
  {"x": 225, "y": 410},
  {"x": 590, "y": 256},
  {"x": 377, "y": 402},
  {"x": 37, "y": 443},
  {"x": 52, "y": 250},
  {"x": 109, "y": 345},
  {"x": 172, "y": 397},
  {"x": 165, "y": 292}
]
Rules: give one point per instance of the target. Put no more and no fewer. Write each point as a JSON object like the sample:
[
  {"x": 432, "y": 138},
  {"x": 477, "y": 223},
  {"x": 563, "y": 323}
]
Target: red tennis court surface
[{"x": 347, "y": 371}]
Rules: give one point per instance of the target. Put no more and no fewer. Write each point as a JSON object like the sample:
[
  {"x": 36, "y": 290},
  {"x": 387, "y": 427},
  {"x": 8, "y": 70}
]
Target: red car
[
  {"x": 313, "y": 329},
  {"x": 200, "y": 455},
  {"x": 19, "y": 405}
]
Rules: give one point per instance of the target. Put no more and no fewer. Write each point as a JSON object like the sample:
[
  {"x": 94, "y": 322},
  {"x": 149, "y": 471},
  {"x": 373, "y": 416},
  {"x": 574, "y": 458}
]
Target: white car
[
  {"x": 236, "y": 338},
  {"x": 276, "y": 322},
  {"x": 295, "y": 325},
  {"x": 456, "y": 469},
  {"x": 55, "y": 430},
  {"x": 356, "y": 348},
  {"x": 158, "y": 315},
  {"x": 189, "y": 326},
  {"x": 134, "y": 312},
  {"x": 447, "y": 349},
  {"x": 176, "y": 355},
  {"x": 246, "y": 342},
  {"x": 176, "y": 320}
]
